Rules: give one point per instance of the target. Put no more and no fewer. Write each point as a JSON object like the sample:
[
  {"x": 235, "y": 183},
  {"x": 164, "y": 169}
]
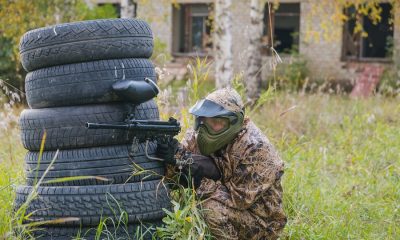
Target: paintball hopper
[{"x": 136, "y": 92}]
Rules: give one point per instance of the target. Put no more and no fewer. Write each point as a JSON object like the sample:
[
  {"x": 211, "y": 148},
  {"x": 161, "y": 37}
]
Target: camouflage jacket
[{"x": 251, "y": 172}]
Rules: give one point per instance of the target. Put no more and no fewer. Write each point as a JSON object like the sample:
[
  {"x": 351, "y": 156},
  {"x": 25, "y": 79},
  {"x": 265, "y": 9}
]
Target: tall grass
[
  {"x": 11, "y": 156},
  {"x": 342, "y": 174},
  {"x": 342, "y": 158},
  {"x": 11, "y": 175},
  {"x": 185, "y": 221}
]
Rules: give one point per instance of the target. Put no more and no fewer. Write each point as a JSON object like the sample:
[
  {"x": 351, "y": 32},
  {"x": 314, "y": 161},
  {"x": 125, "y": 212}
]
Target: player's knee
[{"x": 214, "y": 212}]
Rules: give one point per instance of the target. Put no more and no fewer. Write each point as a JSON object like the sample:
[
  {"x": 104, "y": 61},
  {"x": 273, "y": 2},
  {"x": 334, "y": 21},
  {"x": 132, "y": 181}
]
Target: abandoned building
[{"x": 185, "y": 26}]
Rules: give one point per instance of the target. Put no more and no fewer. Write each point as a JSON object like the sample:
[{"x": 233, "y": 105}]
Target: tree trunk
[
  {"x": 223, "y": 43},
  {"x": 254, "y": 64},
  {"x": 128, "y": 9}
]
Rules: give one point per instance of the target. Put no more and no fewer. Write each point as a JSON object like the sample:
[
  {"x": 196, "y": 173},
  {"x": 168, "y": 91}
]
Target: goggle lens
[{"x": 214, "y": 125}]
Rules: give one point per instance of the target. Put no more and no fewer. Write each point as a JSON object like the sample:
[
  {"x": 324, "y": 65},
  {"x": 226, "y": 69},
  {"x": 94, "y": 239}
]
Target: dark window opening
[
  {"x": 378, "y": 44},
  {"x": 192, "y": 28},
  {"x": 285, "y": 22}
]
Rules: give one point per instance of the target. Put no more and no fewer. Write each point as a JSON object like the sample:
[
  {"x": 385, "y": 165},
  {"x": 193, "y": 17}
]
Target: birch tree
[
  {"x": 223, "y": 43},
  {"x": 127, "y": 9},
  {"x": 254, "y": 63}
]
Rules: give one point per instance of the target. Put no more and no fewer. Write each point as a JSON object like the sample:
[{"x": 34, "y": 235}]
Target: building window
[
  {"x": 285, "y": 22},
  {"x": 191, "y": 29},
  {"x": 377, "y": 44}
]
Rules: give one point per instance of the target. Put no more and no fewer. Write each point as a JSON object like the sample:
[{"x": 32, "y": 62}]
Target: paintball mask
[{"x": 215, "y": 125}]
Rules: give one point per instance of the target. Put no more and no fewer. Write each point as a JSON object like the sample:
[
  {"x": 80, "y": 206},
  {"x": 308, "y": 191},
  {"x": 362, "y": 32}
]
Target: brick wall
[{"x": 323, "y": 56}]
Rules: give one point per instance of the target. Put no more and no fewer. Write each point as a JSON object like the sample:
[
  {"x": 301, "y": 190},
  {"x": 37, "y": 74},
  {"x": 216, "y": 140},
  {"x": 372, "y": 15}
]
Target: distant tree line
[{"x": 20, "y": 16}]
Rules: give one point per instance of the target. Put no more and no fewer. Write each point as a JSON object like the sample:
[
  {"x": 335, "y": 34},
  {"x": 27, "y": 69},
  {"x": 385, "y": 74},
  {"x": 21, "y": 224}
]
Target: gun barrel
[
  {"x": 106, "y": 126},
  {"x": 158, "y": 128},
  {"x": 135, "y": 127},
  {"x": 153, "y": 122}
]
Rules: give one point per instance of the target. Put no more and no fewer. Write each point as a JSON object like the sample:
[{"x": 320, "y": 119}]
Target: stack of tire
[{"x": 71, "y": 71}]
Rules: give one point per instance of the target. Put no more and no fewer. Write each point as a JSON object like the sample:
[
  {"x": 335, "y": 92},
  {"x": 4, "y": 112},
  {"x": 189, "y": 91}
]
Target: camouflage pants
[{"x": 232, "y": 224}]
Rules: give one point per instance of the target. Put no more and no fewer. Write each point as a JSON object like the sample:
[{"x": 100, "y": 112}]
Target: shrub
[
  {"x": 292, "y": 76},
  {"x": 389, "y": 84}
]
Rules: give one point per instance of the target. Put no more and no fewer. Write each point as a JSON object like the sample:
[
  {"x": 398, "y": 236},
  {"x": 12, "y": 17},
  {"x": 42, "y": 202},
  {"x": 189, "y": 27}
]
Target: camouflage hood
[{"x": 224, "y": 103}]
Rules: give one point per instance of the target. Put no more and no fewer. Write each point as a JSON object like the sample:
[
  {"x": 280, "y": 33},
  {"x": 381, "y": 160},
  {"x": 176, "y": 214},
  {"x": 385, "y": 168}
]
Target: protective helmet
[{"x": 219, "y": 118}]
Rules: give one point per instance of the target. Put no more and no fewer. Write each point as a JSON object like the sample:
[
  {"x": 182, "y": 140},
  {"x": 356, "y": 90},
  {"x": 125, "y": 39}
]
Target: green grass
[
  {"x": 342, "y": 156},
  {"x": 11, "y": 174},
  {"x": 342, "y": 178}
]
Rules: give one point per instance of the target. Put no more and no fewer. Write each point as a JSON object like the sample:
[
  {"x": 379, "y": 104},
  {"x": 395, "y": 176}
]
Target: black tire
[
  {"x": 143, "y": 231},
  {"x": 65, "y": 126},
  {"x": 139, "y": 202},
  {"x": 117, "y": 163},
  {"x": 83, "y": 83},
  {"x": 85, "y": 41}
]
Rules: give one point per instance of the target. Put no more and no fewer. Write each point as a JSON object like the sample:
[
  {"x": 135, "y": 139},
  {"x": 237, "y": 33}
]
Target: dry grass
[
  {"x": 342, "y": 178},
  {"x": 342, "y": 175}
]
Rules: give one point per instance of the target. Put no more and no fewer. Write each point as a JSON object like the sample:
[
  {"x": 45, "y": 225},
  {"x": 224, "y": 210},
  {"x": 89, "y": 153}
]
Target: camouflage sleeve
[
  {"x": 189, "y": 142},
  {"x": 255, "y": 174}
]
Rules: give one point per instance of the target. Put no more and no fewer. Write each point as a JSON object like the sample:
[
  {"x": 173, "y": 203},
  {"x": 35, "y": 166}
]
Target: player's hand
[
  {"x": 167, "y": 151},
  {"x": 202, "y": 167}
]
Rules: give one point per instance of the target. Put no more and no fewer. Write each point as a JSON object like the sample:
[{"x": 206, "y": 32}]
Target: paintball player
[{"x": 235, "y": 169}]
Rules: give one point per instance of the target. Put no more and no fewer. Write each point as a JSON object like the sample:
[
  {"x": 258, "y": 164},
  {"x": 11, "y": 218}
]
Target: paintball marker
[{"x": 145, "y": 130}]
